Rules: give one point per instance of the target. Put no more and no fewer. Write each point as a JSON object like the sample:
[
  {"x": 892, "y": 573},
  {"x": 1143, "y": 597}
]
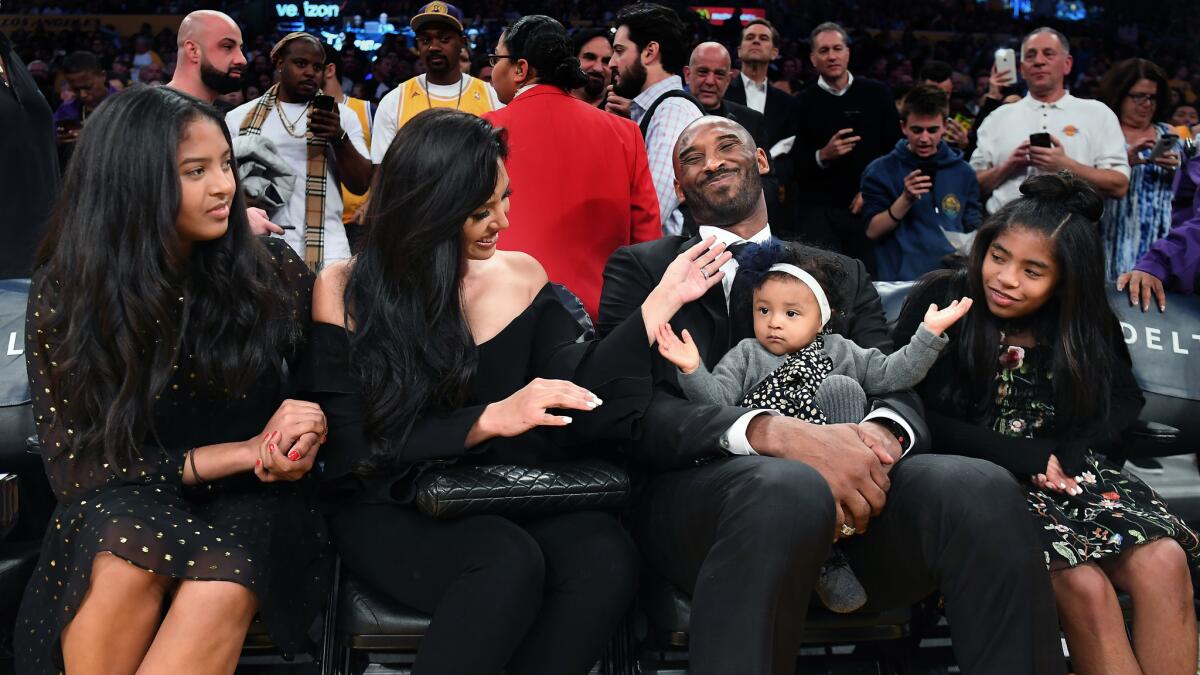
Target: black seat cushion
[{"x": 373, "y": 621}]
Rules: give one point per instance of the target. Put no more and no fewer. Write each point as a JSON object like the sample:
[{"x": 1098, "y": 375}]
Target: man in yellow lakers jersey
[{"x": 440, "y": 40}]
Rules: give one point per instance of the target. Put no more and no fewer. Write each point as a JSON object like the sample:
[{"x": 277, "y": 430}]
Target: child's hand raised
[
  {"x": 683, "y": 353},
  {"x": 938, "y": 320}
]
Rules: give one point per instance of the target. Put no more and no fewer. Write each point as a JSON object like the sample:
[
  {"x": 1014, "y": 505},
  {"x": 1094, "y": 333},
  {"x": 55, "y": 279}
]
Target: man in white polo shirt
[{"x": 1085, "y": 135}]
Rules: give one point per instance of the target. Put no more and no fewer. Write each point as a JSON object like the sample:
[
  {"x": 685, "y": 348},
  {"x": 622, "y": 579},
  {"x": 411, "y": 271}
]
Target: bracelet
[
  {"x": 192, "y": 461},
  {"x": 892, "y": 215}
]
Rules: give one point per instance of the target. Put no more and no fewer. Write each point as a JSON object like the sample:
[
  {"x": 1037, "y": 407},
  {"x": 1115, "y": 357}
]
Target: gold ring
[{"x": 847, "y": 530}]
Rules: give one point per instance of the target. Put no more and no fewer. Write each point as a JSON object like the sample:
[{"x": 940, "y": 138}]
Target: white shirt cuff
[
  {"x": 734, "y": 439},
  {"x": 895, "y": 417},
  {"x": 817, "y": 156}
]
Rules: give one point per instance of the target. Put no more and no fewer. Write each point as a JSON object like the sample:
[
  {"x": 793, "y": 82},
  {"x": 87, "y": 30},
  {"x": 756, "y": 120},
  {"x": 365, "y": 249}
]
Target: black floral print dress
[
  {"x": 1116, "y": 510},
  {"x": 1020, "y": 432},
  {"x": 265, "y": 536}
]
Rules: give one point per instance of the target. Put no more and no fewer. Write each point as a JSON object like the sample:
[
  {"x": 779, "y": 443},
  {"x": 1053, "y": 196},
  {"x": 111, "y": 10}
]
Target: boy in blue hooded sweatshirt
[{"x": 919, "y": 191}]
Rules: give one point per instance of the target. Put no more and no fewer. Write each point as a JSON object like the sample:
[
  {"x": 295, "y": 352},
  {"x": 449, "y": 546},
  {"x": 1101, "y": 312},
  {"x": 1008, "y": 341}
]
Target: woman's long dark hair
[
  {"x": 126, "y": 301},
  {"x": 411, "y": 347},
  {"x": 1077, "y": 321},
  {"x": 543, "y": 42}
]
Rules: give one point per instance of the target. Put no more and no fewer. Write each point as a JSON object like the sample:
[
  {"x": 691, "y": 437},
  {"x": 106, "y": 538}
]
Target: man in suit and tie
[{"x": 740, "y": 506}]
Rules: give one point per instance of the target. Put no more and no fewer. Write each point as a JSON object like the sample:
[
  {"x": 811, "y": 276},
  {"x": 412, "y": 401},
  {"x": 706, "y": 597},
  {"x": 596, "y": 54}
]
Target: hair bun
[
  {"x": 1067, "y": 189},
  {"x": 569, "y": 73}
]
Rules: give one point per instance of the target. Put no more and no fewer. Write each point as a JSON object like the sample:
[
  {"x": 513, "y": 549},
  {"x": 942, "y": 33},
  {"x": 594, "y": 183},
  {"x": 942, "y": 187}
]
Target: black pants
[
  {"x": 539, "y": 596},
  {"x": 746, "y": 536}
]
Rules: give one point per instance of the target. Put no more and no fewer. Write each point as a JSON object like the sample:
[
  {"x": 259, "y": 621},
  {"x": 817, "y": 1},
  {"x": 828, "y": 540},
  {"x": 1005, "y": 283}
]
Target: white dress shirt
[
  {"x": 756, "y": 94},
  {"x": 734, "y": 439},
  {"x": 1089, "y": 131}
]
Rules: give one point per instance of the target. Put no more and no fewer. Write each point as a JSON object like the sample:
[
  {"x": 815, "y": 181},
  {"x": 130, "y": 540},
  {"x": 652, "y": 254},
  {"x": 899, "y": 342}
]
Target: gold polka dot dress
[{"x": 267, "y": 537}]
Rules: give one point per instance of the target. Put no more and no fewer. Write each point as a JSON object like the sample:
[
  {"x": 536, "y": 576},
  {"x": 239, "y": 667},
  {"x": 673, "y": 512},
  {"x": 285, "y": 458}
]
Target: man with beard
[
  {"x": 440, "y": 41},
  {"x": 742, "y": 505},
  {"x": 649, "y": 52},
  {"x": 210, "y": 63},
  {"x": 593, "y": 48},
  {"x": 324, "y": 149}
]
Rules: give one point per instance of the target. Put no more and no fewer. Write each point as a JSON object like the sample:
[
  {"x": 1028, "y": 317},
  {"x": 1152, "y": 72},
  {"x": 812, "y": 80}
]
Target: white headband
[{"x": 808, "y": 280}]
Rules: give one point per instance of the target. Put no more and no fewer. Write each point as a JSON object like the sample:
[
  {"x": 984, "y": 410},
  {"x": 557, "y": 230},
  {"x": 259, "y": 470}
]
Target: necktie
[{"x": 741, "y": 323}]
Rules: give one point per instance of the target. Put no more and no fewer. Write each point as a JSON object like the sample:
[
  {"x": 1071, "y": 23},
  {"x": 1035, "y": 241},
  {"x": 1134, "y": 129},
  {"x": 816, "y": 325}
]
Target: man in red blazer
[{"x": 580, "y": 179}]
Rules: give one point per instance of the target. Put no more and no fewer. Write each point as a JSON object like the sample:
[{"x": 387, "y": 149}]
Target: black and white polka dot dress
[{"x": 267, "y": 537}]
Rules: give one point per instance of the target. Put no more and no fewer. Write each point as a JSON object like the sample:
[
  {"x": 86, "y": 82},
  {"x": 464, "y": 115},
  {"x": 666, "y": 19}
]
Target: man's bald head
[
  {"x": 708, "y": 73},
  {"x": 197, "y": 26},
  {"x": 699, "y": 126},
  {"x": 210, "y": 60},
  {"x": 710, "y": 50}
]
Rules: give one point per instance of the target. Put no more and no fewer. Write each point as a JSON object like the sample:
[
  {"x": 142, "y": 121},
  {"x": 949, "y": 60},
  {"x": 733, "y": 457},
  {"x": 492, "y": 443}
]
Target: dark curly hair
[
  {"x": 544, "y": 44},
  {"x": 755, "y": 261}
]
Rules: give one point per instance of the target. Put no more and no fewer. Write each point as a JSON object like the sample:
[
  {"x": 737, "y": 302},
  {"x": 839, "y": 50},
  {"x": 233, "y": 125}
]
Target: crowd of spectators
[{"x": 892, "y": 41}]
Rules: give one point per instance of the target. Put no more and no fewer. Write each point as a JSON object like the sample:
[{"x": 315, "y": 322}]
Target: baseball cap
[{"x": 437, "y": 12}]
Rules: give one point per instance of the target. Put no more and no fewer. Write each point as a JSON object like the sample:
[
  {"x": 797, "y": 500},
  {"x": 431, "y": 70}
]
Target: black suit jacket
[
  {"x": 779, "y": 113},
  {"x": 678, "y": 432}
]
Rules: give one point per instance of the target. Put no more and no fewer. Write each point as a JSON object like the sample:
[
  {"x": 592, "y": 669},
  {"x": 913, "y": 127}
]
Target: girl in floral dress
[{"x": 1036, "y": 380}]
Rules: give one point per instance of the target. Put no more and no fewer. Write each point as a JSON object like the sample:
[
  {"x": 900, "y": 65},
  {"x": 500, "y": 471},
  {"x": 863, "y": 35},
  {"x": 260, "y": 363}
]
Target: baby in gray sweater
[{"x": 793, "y": 365}]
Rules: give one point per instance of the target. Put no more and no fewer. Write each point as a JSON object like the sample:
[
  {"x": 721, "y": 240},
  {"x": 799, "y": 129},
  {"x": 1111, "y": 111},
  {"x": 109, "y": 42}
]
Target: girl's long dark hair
[
  {"x": 126, "y": 302},
  {"x": 1077, "y": 321},
  {"x": 411, "y": 347}
]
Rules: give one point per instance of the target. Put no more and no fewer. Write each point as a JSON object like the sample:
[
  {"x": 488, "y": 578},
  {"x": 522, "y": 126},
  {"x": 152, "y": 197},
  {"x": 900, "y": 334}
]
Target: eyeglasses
[
  {"x": 493, "y": 59},
  {"x": 1142, "y": 99}
]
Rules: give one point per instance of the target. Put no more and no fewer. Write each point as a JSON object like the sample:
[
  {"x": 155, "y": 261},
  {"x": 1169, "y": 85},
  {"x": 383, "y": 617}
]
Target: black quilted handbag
[{"x": 510, "y": 490}]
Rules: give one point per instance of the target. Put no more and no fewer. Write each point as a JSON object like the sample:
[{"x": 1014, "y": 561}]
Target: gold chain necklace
[
  {"x": 462, "y": 83},
  {"x": 289, "y": 126}
]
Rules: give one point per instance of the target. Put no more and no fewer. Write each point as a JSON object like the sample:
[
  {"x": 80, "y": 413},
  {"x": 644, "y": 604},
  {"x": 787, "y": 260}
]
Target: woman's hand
[
  {"x": 1141, "y": 286},
  {"x": 1056, "y": 480},
  {"x": 683, "y": 353},
  {"x": 273, "y": 464},
  {"x": 1167, "y": 160},
  {"x": 687, "y": 278},
  {"x": 1134, "y": 152},
  {"x": 292, "y": 420},
  {"x": 938, "y": 320},
  {"x": 527, "y": 408}
]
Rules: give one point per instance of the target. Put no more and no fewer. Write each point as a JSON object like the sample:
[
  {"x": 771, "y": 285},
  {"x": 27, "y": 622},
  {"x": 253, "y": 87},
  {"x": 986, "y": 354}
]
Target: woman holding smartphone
[{"x": 1137, "y": 91}]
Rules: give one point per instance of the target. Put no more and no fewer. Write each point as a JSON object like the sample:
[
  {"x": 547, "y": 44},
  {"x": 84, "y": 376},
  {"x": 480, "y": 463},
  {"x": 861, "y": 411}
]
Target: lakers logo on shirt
[
  {"x": 951, "y": 206},
  {"x": 1070, "y": 130}
]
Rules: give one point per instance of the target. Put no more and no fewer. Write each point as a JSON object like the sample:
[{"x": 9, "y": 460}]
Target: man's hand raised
[{"x": 849, "y": 466}]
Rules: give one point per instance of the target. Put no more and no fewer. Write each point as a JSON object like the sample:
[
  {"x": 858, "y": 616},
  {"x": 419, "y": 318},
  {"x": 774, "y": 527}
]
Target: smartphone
[
  {"x": 1165, "y": 144},
  {"x": 963, "y": 121},
  {"x": 324, "y": 102},
  {"x": 68, "y": 125},
  {"x": 1006, "y": 62},
  {"x": 1040, "y": 140}
]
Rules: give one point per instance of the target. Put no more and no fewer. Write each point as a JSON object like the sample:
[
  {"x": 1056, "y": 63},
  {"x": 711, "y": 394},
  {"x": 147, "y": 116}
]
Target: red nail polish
[
  {"x": 258, "y": 462},
  {"x": 271, "y": 447},
  {"x": 293, "y": 455}
]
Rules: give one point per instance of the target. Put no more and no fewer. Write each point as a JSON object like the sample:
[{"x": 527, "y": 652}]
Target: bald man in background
[
  {"x": 210, "y": 63},
  {"x": 708, "y": 74}
]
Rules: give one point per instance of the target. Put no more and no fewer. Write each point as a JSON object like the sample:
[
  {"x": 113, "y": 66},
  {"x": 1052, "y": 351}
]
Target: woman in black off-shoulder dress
[
  {"x": 432, "y": 347},
  {"x": 159, "y": 331}
]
